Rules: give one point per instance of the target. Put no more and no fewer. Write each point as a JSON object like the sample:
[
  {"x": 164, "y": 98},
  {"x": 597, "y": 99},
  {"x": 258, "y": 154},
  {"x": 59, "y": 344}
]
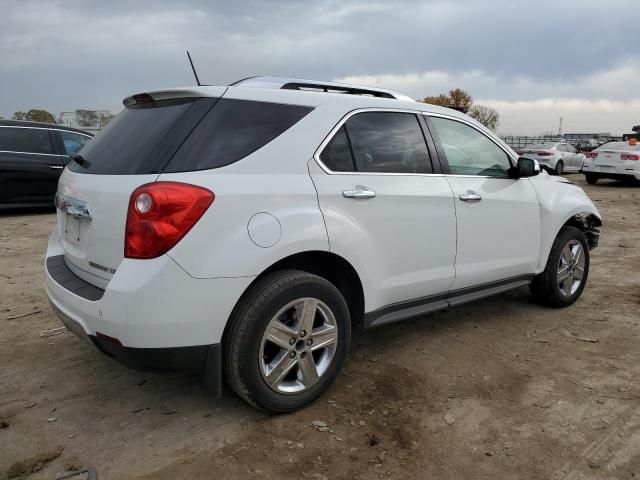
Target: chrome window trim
[
  {"x": 34, "y": 153},
  {"x": 342, "y": 121},
  {"x": 345, "y": 118},
  {"x": 48, "y": 128}
]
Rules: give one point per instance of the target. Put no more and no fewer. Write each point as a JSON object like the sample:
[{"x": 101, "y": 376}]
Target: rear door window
[
  {"x": 24, "y": 139},
  {"x": 135, "y": 137},
  {"x": 232, "y": 130},
  {"x": 388, "y": 142}
]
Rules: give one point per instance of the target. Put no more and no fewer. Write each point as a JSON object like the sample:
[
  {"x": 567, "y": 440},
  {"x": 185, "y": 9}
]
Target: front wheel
[
  {"x": 565, "y": 275},
  {"x": 288, "y": 338}
]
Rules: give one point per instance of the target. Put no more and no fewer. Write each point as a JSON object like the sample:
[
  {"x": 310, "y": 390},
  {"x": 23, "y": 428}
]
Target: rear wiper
[{"x": 79, "y": 159}]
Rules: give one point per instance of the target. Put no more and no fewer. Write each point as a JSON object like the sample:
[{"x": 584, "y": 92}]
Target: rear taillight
[
  {"x": 630, "y": 156},
  {"x": 160, "y": 214},
  {"x": 591, "y": 154}
]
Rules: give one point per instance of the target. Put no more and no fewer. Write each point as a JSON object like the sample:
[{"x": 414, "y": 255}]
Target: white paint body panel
[
  {"x": 402, "y": 243},
  {"x": 498, "y": 237}
]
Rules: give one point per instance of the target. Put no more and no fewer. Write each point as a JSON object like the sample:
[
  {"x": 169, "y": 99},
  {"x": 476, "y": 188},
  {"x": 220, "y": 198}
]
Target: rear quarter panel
[{"x": 274, "y": 180}]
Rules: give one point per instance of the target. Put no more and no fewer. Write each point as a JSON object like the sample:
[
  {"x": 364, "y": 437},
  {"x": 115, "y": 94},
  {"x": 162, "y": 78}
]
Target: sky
[{"x": 533, "y": 61}]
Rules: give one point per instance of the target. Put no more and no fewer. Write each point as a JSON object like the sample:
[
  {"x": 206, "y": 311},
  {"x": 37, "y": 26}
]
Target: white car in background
[
  {"x": 556, "y": 157},
  {"x": 617, "y": 160},
  {"x": 243, "y": 231}
]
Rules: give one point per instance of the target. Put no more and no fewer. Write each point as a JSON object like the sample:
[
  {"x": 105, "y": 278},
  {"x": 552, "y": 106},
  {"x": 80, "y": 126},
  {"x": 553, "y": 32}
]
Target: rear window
[
  {"x": 28, "y": 140},
  {"x": 541, "y": 146},
  {"x": 135, "y": 136},
  {"x": 232, "y": 130}
]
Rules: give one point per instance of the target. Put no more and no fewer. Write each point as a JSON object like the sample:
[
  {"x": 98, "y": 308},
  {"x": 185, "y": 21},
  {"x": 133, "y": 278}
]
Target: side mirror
[{"x": 527, "y": 167}]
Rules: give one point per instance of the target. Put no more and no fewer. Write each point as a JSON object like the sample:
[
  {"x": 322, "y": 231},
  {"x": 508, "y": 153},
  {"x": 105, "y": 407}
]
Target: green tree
[
  {"x": 86, "y": 118},
  {"x": 456, "y": 98},
  {"x": 35, "y": 115},
  {"x": 487, "y": 116}
]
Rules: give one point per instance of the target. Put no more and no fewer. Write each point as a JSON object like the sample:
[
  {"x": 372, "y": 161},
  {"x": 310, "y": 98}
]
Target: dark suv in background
[{"x": 32, "y": 156}]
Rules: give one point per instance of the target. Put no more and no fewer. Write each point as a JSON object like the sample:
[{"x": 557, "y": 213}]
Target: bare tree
[
  {"x": 487, "y": 116},
  {"x": 456, "y": 98}
]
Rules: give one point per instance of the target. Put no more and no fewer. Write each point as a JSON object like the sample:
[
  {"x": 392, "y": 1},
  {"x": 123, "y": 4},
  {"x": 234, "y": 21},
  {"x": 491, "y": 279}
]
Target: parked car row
[
  {"x": 32, "y": 157},
  {"x": 556, "y": 157}
]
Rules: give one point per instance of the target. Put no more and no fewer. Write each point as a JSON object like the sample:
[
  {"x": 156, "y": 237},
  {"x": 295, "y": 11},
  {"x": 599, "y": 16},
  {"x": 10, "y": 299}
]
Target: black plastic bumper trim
[{"x": 62, "y": 274}]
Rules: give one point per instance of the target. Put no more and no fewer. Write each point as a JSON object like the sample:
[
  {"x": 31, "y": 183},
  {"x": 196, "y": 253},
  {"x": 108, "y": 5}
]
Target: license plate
[{"x": 72, "y": 230}]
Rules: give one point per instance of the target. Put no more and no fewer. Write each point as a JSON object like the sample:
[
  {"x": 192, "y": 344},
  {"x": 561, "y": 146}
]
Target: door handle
[
  {"x": 470, "y": 196},
  {"x": 56, "y": 167},
  {"x": 358, "y": 194}
]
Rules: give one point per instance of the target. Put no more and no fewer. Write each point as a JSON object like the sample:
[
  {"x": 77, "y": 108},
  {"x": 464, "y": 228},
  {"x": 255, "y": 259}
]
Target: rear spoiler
[{"x": 174, "y": 93}]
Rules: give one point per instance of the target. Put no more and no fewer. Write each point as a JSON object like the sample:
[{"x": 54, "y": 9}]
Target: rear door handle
[
  {"x": 470, "y": 196},
  {"x": 358, "y": 194},
  {"x": 56, "y": 167}
]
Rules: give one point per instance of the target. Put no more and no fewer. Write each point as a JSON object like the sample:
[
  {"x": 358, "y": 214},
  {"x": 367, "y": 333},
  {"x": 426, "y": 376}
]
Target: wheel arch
[
  {"x": 585, "y": 220},
  {"x": 327, "y": 265}
]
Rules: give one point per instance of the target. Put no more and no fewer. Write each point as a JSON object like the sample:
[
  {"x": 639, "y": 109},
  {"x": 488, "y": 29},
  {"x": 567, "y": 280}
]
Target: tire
[
  {"x": 559, "y": 168},
  {"x": 591, "y": 179},
  {"x": 277, "y": 304},
  {"x": 546, "y": 286}
]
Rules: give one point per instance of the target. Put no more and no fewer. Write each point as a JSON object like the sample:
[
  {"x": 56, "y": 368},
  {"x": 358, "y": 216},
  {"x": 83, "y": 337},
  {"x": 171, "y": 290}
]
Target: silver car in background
[{"x": 556, "y": 157}]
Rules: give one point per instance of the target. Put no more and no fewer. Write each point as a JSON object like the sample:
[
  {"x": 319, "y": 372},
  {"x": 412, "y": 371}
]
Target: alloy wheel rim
[
  {"x": 571, "y": 268},
  {"x": 298, "y": 345}
]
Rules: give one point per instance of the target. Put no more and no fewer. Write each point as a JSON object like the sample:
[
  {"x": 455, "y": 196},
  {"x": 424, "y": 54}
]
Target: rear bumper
[
  {"x": 151, "y": 315},
  {"x": 623, "y": 171},
  {"x": 202, "y": 360}
]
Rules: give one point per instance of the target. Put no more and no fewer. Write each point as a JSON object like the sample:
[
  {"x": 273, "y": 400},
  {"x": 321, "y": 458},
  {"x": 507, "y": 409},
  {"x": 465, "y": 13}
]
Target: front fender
[{"x": 561, "y": 202}]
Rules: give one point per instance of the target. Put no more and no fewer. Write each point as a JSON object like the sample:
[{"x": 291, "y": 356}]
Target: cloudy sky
[{"x": 534, "y": 61}]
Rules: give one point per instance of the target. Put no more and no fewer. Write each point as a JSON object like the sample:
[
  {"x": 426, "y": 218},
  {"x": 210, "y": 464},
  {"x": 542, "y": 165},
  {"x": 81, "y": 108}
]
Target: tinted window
[
  {"x": 388, "y": 142},
  {"x": 73, "y": 141},
  {"x": 337, "y": 154},
  {"x": 470, "y": 152},
  {"x": 30, "y": 140},
  {"x": 132, "y": 137},
  {"x": 232, "y": 130}
]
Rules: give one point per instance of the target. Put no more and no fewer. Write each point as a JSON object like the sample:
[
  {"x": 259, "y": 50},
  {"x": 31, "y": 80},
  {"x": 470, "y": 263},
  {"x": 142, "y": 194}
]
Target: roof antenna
[{"x": 194, "y": 69}]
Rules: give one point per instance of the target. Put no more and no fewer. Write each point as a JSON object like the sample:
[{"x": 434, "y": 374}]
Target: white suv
[{"x": 243, "y": 232}]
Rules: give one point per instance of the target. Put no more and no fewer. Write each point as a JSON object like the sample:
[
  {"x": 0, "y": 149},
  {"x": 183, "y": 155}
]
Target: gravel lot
[{"x": 501, "y": 388}]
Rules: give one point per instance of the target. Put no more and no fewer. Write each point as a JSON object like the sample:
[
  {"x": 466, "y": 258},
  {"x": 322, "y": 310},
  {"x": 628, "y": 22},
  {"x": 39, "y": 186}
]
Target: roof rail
[{"x": 318, "y": 86}]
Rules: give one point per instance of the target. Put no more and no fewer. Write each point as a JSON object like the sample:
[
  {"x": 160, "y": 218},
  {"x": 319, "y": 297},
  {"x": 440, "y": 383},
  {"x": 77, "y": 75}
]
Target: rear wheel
[
  {"x": 559, "y": 167},
  {"x": 591, "y": 179},
  {"x": 565, "y": 275},
  {"x": 287, "y": 340}
]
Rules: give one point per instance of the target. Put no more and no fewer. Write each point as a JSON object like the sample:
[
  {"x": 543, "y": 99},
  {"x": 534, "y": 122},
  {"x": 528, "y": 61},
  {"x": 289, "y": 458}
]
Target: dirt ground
[{"x": 500, "y": 388}]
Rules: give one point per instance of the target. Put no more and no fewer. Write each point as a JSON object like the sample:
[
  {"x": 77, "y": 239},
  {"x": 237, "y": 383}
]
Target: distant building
[{"x": 571, "y": 137}]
